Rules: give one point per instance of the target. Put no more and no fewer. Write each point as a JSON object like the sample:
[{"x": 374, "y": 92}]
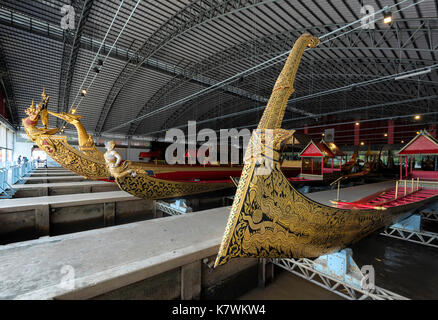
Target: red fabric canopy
[
  {"x": 316, "y": 150},
  {"x": 423, "y": 143}
]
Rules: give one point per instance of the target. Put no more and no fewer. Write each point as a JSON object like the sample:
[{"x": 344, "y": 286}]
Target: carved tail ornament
[
  {"x": 85, "y": 141},
  {"x": 258, "y": 225}
]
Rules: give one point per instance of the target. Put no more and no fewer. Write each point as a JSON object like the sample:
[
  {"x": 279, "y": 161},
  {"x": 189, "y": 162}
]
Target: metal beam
[
  {"x": 371, "y": 67},
  {"x": 72, "y": 43},
  {"x": 279, "y": 42},
  {"x": 8, "y": 88},
  {"x": 192, "y": 15}
]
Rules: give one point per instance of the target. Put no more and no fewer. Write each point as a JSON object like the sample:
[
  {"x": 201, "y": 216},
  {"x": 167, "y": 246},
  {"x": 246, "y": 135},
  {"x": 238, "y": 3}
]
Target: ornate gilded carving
[
  {"x": 85, "y": 141},
  {"x": 140, "y": 184},
  {"x": 88, "y": 162},
  {"x": 269, "y": 218},
  {"x": 136, "y": 179}
]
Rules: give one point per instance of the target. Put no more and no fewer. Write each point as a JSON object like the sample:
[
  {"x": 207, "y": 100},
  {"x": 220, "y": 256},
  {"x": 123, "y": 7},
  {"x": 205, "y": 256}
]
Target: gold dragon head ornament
[{"x": 32, "y": 109}]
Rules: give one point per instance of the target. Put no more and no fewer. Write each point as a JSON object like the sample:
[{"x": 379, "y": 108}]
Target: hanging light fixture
[
  {"x": 387, "y": 16},
  {"x": 84, "y": 92}
]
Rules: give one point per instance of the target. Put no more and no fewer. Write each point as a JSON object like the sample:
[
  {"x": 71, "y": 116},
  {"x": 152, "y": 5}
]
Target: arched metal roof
[{"x": 172, "y": 51}]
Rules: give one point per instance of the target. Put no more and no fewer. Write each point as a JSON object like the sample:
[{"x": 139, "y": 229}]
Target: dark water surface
[{"x": 406, "y": 268}]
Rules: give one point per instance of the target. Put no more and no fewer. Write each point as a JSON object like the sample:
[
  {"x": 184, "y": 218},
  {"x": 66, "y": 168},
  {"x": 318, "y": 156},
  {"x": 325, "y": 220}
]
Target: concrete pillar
[
  {"x": 43, "y": 192},
  {"x": 194, "y": 204},
  {"x": 42, "y": 220},
  {"x": 390, "y": 131},
  {"x": 265, "y": 272},
  {"x": 356, "y": 133},
  {"x": 191, "y": 281},
  {"x": 157, "y": 213},
  {"x": 109, "y": 214}
]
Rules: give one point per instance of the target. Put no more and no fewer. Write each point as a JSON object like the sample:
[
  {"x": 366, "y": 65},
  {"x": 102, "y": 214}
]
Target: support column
[
  {"x": 401, "y": 167},
  {"x": 109, "y": 214},
  {"x": 356, "y": 133},
  {"x": 43, "y": 192},
  {"x": 191, "y": 281},
  {"x": 42, "y": 220},
  {"x": 157, "y": 213},
  {"x": 322, "y": 165},
  {"x": 194, "y": 204},
  {"x": 411, "y": 165},
  {"x": 390, "y": 131},
  {"x": 265, "y": 272}
]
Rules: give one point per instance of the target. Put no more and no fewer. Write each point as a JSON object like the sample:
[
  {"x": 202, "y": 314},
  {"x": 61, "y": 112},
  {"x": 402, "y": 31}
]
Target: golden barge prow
[
  {"x": 270, "y": 219},
  {"x": 87, "y": 161}
]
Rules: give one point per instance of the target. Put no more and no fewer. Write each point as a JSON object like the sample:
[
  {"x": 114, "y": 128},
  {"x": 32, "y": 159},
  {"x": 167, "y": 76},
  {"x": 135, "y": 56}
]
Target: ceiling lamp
[
  {"x": 417, "y": 117},
  {"x": 362, "y": 143},
  {"x": 387, "y": 16},
  {"x": 84, "y": 92},
  {"x": 385, "y": 134},
  {"x": 357, "y": 123}
]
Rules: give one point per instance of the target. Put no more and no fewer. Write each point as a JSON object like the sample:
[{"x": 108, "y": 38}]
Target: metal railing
[{"x": 12, "y": 174}]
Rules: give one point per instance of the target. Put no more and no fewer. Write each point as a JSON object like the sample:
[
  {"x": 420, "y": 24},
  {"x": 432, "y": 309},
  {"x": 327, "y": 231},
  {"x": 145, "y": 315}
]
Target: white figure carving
[{"x": 112, "y": 157}]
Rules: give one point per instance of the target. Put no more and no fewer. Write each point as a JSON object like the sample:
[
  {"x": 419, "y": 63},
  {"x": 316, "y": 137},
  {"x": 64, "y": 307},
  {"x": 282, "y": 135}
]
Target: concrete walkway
[
  {"x": 64, "y": 200},
  {"x": 60, "y": 178},
  {"x": 107, "y": 259},
  {"x": 60, "y": 185},
  {"x": 52, "y": 174},
  {"x": 61, "y": 188}
]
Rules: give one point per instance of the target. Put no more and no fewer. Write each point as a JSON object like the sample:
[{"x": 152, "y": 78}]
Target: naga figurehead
[{"x": 34, "y": 114}]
